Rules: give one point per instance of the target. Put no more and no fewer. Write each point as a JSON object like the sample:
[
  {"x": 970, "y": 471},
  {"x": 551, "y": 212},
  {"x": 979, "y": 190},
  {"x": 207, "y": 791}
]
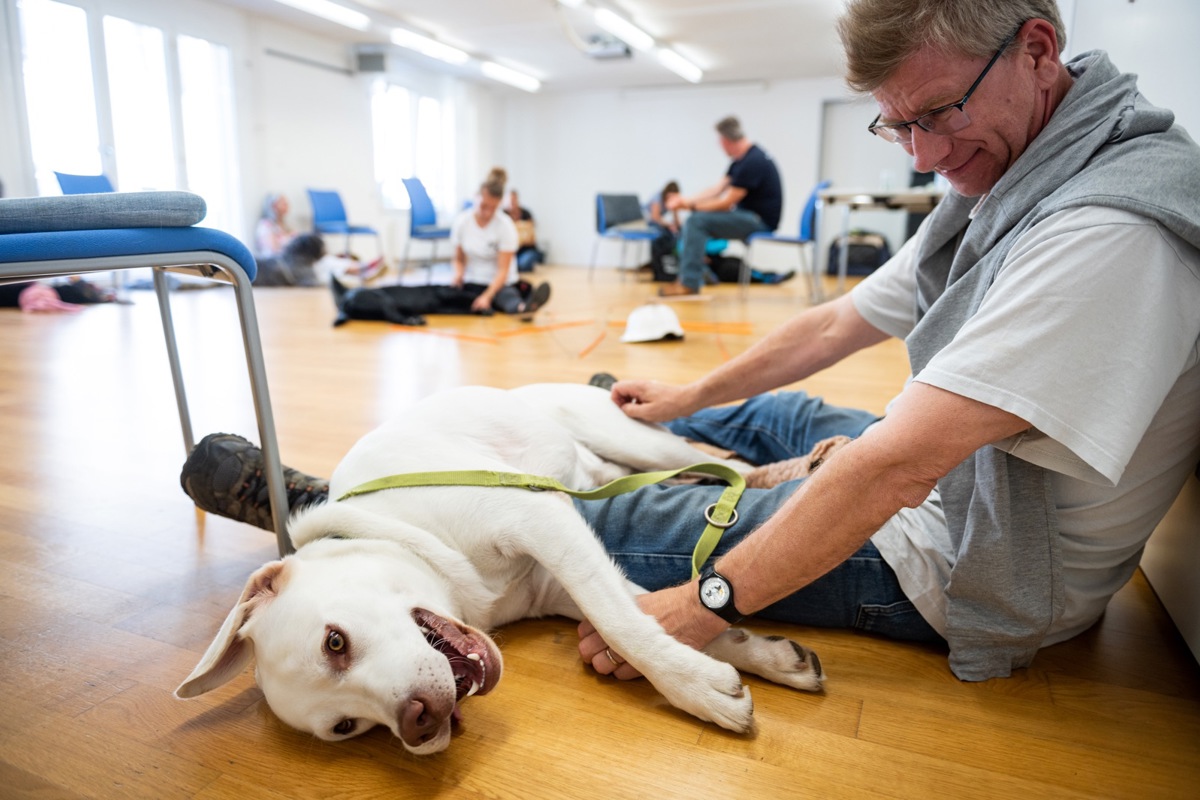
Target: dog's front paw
[
  {"x": 775, "y": 658},
  {"x": 711, "y": 691}
]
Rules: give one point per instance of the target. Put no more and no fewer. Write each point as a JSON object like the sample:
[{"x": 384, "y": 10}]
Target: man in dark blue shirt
[{"x": 747, "y": 200}]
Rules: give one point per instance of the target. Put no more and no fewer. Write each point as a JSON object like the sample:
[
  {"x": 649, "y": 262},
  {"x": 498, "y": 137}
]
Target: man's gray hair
[
  {"x": 731, "y": 129},
  {"x": 880, "y": 35}
]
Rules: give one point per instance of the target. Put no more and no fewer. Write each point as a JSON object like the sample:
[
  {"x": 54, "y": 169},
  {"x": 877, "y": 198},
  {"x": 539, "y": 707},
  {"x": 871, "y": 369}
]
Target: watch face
[{"x": 714, "y": 592}]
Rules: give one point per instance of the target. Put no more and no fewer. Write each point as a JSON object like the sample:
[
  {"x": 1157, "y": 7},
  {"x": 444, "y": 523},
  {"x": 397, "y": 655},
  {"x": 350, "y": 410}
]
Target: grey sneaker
[
  {"x": 537, "y": 298},
  {"x": 604, "y": 380},
  {"x": 224, "y": 475}
]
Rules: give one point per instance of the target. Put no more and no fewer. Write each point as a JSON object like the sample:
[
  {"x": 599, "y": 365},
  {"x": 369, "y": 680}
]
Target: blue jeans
[
  {"x": 651, "y": 532},
  {"x": 704, "y": 225}
]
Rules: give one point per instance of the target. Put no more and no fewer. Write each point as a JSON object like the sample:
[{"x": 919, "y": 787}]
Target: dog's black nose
[{"x": 420, "y": 720}]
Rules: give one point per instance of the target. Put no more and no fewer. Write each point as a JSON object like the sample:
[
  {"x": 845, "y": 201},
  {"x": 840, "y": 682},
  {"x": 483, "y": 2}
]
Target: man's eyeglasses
[{"x": 942, "y": 120}]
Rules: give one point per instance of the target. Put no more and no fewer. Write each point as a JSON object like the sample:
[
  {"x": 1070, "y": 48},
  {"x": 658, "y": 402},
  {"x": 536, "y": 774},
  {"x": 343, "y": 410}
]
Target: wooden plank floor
[{"x": 111, "y": 585}]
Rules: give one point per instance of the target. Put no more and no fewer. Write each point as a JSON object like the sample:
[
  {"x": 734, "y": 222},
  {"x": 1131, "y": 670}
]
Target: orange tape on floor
[{"x": 595, "y": 343}]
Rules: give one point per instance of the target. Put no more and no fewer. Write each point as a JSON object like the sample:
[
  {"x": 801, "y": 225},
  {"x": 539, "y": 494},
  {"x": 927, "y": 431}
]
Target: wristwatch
[{"x": 716, "y": 594}]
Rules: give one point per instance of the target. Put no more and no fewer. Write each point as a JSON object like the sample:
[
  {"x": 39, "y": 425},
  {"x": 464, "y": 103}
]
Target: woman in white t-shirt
[{"x": 484, "y": 245}]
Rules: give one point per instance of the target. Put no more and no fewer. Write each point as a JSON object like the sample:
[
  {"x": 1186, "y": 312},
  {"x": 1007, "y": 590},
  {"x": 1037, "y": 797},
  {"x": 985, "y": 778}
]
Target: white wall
[{"x": 1155, "y": 39}]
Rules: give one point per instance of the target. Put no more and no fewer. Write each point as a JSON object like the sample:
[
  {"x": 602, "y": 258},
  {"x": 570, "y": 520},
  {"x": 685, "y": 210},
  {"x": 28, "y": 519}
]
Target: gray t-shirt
[{"x": 1090, "y": 333}]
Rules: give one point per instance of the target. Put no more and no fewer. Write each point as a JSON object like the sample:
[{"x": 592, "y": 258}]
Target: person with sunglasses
[{"x": 1048, "y": 306}]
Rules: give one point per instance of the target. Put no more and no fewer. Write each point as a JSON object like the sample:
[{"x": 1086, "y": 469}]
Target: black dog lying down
[
  {"x": 399, "y": 305},
  {"x": 406, "y": 305}
]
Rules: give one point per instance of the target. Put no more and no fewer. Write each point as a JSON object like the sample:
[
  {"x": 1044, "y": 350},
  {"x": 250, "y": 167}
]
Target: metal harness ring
[{"x": 709, "y": 518}]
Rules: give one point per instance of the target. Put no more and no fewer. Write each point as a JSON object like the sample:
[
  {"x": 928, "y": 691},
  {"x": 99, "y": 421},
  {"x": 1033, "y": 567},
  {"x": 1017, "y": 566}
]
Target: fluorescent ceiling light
[
  {"x": 679, "y": 65},
  {"x": 332, "y": 12},
  {"x": 624, "y": 30},
  {"x": 429, "y": 47},
  {"x": 510, "y": 76}
]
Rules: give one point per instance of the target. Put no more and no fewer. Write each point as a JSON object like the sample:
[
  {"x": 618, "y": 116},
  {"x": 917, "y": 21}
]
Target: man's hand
[
  {"x": 677, "y": 609},
  {"x": 651, "y": 401},
  {"x": 676, "y": 202}
]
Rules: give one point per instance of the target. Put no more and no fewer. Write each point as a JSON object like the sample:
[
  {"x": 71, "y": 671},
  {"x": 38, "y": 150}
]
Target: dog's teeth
[
  {"x": 473, "y": 656},
  {"x": 474, "y": 688}
]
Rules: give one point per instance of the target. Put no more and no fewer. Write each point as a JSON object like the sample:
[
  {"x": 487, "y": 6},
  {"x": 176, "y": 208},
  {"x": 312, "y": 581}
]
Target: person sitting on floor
[{"x": 485, "y": 275}]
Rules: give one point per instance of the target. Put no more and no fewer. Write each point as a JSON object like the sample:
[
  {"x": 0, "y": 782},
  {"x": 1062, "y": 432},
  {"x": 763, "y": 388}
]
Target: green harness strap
[{"x": 719, "y": 516}]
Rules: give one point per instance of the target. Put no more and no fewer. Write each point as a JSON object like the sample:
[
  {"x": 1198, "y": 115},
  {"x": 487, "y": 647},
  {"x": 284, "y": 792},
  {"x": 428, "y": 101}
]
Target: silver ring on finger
[{"x": 615, "y": 659}]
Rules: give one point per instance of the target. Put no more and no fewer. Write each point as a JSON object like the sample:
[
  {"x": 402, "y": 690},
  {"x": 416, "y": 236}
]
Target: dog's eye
[
  {"x": 335, "y": 642},
  {"x": 344, "y": 728}
]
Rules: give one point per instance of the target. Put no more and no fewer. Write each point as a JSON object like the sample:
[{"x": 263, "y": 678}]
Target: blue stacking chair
[
  {"x": 51, "y": 237},
  {"x": 423, "y": 222},
  {"x": 329, "y": 216},
  {"x": 805, "y": 242},
  {"x": 614, "y": 213}
]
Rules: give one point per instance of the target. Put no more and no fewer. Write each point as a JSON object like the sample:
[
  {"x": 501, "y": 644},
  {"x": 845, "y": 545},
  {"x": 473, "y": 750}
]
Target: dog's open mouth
[{"x": 468, "y": 651}]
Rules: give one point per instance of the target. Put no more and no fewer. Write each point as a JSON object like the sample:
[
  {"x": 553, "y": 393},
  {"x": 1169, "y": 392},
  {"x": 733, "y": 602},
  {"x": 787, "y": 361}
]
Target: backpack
[{"x": 868, "y": 252}]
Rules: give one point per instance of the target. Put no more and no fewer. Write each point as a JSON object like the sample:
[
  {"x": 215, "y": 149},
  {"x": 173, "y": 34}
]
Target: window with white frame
[
  {"x": 123, "y": 98},
  {"x": 140, "y": 106},
  {"x": 414, "y": 137},
  {"x": 209, "y": 132},
  {"x": 60, "y": 99}
]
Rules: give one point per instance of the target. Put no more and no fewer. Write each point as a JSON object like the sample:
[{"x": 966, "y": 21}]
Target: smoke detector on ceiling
[{"x": 605, "y": 46}]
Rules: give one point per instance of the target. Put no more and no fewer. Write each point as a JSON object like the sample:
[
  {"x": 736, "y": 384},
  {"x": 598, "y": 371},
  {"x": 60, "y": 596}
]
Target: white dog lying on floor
[{"x": 380, "y": 617}]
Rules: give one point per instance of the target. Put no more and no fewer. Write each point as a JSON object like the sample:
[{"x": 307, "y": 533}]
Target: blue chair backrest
[
  {"x": 808, "y": 218},
  {"x": 327, "y": 206},
  {"x": 423, "y": 212},
  {"x": 83, "y": 184},
  {"x": 616, "y": 209}
]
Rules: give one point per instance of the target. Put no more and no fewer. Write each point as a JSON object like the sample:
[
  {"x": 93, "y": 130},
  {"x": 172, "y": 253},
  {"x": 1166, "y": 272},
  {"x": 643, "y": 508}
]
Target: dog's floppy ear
[{"x": 230, "y": 651}]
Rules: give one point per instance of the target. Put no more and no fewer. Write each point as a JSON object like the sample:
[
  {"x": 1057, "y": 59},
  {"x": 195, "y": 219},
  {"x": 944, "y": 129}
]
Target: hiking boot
[
  {"x": 224, "y": 475},
  {"x": 604, "y": 380}
]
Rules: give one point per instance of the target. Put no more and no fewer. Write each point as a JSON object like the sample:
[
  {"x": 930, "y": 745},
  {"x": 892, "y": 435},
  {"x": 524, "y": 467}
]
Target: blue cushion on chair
[{"x": 79, "y": 244}]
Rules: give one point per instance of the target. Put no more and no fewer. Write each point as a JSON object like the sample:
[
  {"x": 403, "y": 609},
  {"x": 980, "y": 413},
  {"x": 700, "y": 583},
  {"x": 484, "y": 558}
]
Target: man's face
[{"x": 1005, "y": 112}]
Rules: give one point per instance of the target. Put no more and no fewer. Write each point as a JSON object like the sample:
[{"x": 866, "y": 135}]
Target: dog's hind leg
[{"x": 775, "y": 658}]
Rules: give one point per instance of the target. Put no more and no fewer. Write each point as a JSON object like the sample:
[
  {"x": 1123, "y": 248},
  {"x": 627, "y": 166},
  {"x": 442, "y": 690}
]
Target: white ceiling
[{"x": 731, "y": 40}]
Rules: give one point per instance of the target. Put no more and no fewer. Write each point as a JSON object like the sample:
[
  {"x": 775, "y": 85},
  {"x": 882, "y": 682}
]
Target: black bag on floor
[
  {"x": 727, "y": 268},
  {"x": 868, "y": 252},
  {"x": 663, "y": 260}
]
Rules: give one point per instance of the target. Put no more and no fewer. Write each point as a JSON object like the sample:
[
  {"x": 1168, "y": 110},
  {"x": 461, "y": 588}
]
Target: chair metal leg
[
  {"x": 844, "y": 253},
  {"x": 164, "y": 308},
  {"x": 808, "y": 263},
  {"x": 744, "y": 271},
  {"x": 262, "y": 407}
]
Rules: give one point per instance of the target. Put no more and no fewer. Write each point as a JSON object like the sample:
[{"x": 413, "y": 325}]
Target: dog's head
[{"x": 347, "y": 636}]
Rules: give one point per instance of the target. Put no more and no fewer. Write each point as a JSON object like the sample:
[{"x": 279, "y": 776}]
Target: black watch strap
[{"x": 716, "y": 594}]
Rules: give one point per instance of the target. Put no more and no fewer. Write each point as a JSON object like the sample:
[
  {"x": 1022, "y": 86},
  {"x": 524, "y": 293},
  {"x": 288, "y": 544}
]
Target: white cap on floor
[{"x": 652, "y": 322}]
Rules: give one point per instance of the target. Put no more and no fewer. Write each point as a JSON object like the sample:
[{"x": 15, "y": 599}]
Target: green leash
[{"x": 718, "y": 516}]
